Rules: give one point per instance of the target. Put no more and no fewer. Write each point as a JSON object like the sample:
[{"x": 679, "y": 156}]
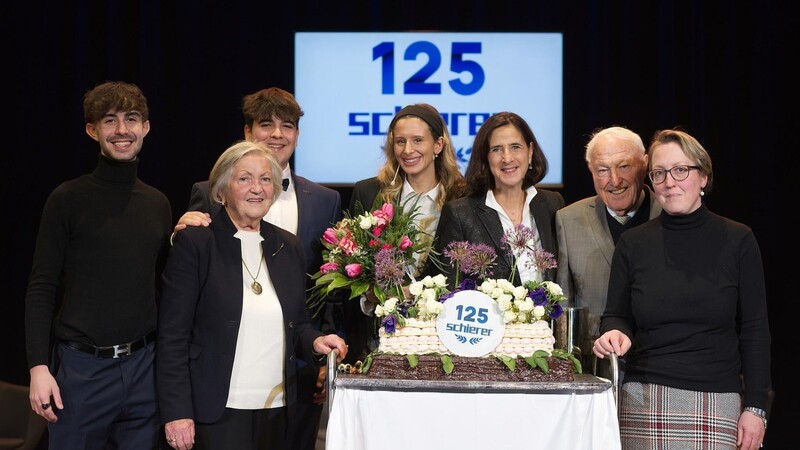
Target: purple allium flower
[
  {"x": 479, "y": 260},
  {"x": 543, "y": 260},
  {"x": 518, "y": 240},
  {"x": 388, "y": 268},
  {"x": 458, "y": 252}
]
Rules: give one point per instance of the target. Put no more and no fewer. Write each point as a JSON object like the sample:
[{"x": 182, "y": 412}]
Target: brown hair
[
  {"x": 479, "y": 176},
  {"x": 270, "y": 102},
  {"x": 116, "y": 96}
]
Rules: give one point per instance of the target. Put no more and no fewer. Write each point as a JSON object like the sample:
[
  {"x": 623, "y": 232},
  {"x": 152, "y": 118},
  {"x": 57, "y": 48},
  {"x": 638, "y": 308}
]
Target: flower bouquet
[{"x": 372, "y": 251}]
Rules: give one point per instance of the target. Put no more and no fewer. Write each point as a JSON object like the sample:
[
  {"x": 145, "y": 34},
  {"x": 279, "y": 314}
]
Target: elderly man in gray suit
[{"x": 588, "y": 229}]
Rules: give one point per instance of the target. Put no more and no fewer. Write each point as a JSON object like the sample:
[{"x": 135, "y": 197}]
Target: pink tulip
[
  {"x": 329, "y": 267},
  {"x": 405, "y": 243},
  {"x": 329, "y": 236},
  {"x": 384, "y": 215},
  {"x": 353, "y": 270},
  {"x": 348, "y": 246}
]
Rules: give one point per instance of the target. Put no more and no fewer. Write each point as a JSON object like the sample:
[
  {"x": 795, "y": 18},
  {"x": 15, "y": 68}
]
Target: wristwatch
[{"x": 758, "y": 412}]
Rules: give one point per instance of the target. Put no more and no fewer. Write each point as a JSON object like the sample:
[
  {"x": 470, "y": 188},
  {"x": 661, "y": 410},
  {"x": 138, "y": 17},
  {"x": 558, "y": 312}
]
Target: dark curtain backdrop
[{"x": 724, "y": 71}]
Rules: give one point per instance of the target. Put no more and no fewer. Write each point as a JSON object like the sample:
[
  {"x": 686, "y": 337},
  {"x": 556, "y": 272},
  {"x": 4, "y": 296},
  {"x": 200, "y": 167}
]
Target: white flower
[
  {"x": 380, "y": 311},
  {"x": 440, "y": 281},
  {"x": 520, "y": 292},
  {"x": 416, "y": 287},
  {"x": 525, "y": 305},
  {"x": 390, "y": 304},
  {"x": 553, "y": 288},
  {"x": 434, "y": 307},
  {"x": 538, "y": 312},
  {"x": 427, "y": 281},
  {"x": 504, "y": 303},
  {"x": 429, "y": 294},
  {"x": 509, "y": 316},
  {"x": 505, "y": 285},
  {"x": 496, "y": 292},
  {"x": 488, "y": 286},
  {"x": 504, "y": 297},
  {"x": 365, "y": 222}
]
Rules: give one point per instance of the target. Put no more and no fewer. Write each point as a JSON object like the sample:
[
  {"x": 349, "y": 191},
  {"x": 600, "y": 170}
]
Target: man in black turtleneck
[{"x": 102, "y": 241}]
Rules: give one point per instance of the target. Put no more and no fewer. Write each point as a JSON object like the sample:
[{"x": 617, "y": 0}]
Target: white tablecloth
[{"x": 368, "y": 419}]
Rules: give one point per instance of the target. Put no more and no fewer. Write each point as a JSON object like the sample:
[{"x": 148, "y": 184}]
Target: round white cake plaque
[{"x": 471, "y": 324}]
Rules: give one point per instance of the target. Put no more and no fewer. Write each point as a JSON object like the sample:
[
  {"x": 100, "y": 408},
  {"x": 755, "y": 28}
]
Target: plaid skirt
[{"x": 655, "y": 417}]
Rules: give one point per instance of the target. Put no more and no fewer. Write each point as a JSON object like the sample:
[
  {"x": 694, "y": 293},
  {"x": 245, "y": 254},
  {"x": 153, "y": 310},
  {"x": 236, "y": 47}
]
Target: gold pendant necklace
[{"x": 256, "y": 286}]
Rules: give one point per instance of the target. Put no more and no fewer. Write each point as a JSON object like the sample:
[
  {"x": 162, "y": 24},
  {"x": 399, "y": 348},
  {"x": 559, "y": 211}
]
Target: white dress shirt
[{"x": 527, "y": 270}]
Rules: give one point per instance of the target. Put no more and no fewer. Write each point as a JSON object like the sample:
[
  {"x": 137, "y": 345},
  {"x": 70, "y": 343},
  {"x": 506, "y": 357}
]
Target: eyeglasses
[{"x": 678, "y": 173}]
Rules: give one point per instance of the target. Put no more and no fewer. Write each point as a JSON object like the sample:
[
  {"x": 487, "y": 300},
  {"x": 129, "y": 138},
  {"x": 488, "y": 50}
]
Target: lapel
[
  {"x": 541, "y": 217},
  {"x": 596, "y": 217},
  {"x": 306, "y": 211},
  {"x": 491, "y": 222}
]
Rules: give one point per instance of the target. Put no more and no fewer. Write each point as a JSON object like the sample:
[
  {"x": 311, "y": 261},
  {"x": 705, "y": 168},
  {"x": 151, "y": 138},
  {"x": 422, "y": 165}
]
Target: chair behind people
[{"x": 20, "y": 427}]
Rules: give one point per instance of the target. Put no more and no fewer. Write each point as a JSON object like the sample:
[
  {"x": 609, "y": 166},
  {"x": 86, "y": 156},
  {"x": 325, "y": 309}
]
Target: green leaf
[
  {"x": 542, "y": 364},
  {"x": 381, "y": 296},
  {"x": 540, "y": 354},
  {"x": 447, "y": 364},
  {"x": 357, "y": 288},
  {"x": 511, "y": 363},
  {"x": 413, "y": 360},
  {"x": 576, "y": 365},
  {"x": 367, "y": 363}
]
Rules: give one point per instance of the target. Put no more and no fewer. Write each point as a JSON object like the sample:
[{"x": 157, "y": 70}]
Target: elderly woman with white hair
[{"x": 233, "y": 318}]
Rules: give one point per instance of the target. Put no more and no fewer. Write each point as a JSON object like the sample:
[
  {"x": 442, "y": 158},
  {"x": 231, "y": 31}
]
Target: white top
[
  {"x": 525, "y": 267},
  {"x": 426, "y": 218},
  {"x": 283, "y": 212},
  {"x": 257, "y": 378}
]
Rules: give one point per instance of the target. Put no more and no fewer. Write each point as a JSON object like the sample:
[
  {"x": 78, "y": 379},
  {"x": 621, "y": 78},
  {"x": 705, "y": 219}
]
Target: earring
[
  {"x": 530, "y": 166},
  {"x": 435, "y": 155},
  {"x": 702, "y": 192}
]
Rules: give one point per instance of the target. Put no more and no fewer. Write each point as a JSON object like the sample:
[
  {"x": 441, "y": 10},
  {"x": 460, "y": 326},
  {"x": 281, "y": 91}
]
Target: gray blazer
[
  {"x": 469, "y": 219},
  {"x": 585, "y": 249}
]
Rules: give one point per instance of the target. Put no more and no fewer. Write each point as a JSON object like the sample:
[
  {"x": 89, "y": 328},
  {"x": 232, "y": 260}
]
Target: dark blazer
[
  {"x": 469, "y": 219},
  {"x": 318, "y": 208},
  {"x": 365, "y": 191},
  {"x": 200, "y": 314}
]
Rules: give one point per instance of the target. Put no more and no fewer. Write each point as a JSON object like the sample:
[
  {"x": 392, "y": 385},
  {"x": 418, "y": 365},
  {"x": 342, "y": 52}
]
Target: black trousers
[{"x": 256, "y": 429}]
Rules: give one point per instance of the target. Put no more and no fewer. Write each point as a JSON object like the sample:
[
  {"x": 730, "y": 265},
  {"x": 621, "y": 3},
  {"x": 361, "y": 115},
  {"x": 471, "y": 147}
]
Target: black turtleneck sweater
[
  {"x": 689, "y": 291},
  {"x": 102, "y": 242}
]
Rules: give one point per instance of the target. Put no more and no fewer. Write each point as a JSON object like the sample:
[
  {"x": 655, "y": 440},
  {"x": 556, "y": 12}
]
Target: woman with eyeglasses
[{"x": 687, "y": 308}]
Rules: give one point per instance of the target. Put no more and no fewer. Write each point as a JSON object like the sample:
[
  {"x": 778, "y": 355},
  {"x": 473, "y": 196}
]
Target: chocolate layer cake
[{"x": 467, "y": 369}]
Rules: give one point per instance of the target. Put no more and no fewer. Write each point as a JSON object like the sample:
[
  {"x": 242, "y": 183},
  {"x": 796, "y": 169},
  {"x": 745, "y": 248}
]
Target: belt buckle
[{"x": 122, "y": 350}]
